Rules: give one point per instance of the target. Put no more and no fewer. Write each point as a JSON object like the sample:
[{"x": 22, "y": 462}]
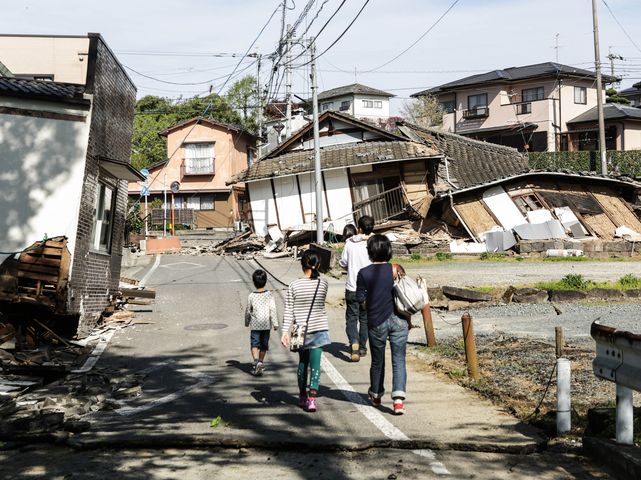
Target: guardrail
[{"x": 618, "y": 360}]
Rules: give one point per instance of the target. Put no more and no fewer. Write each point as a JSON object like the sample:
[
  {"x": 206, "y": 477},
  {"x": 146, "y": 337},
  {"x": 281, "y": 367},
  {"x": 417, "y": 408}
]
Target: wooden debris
[{"x": 138, "y": 292}]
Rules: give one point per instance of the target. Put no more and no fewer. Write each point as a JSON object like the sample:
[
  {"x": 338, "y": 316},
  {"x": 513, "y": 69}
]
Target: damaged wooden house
[
  {"x": 66, "y": 115},
  {"x": 365, "y": 170},
  {"x": 491, "y": 196}
]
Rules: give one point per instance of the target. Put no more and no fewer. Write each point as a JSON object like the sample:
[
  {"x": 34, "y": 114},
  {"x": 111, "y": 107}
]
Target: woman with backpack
[{"x": 375, "y": 289}]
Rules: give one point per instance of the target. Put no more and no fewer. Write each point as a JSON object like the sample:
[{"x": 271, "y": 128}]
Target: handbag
[
  {"x": 408, "y": 296},
  {"x": 297, "y": 331}
]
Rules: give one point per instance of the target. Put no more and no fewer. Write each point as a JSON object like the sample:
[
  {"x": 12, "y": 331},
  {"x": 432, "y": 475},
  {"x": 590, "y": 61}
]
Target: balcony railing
[
  {"x": 478, "y": 112},
  {"x": 197, "y": 166},
  {"x": 383, "y": 206},
  {"x": 523, "y": 108}
]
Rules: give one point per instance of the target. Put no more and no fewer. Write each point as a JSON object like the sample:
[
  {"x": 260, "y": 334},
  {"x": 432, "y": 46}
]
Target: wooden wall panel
[
  {"x": 601, "y": 225},
  {"x": 475, "y": 216},
  {"x": 618, "y": 210}
]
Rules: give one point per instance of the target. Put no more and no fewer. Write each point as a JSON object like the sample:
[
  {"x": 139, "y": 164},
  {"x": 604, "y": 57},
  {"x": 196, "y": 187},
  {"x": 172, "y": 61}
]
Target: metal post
[
  {"x": 173, "y": 225},
  {"x": 288, "y": 83},
  {"x": 625, "y": 415},
  {"x": 164, "y": 206},
  {"x": 146, "y": 219},
  {"x": 426, "y": 313},
  {"x": 317, "y": 161},
  {"x": 599, "y": 90},
  {"x": 563, "y": 402},
  {"x": 470, "y": 346}
]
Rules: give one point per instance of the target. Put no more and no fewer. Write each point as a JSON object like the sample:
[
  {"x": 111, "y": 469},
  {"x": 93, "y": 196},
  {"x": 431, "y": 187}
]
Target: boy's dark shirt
[{"x": 375, "y": 285}]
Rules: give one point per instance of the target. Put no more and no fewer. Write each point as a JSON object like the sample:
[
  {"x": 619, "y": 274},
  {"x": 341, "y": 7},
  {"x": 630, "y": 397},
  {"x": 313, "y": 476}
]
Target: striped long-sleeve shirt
[{"x": 299, "y": 300}]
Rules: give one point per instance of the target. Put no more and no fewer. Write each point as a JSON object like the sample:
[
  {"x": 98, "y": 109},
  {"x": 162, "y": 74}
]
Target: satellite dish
[{"x": 175, "y": 187}]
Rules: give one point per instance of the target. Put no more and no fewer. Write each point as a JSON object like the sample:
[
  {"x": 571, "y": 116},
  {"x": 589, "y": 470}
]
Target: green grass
[
  {"x": 493, "y": 256},
  {"x": 443, "y": 256},
  {"x": 578, "y": 282},
  {"x": 569, "y": 259}
]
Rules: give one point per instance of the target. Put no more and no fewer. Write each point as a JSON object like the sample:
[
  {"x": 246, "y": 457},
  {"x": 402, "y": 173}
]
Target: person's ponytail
[{"x": 310, "y": 260}]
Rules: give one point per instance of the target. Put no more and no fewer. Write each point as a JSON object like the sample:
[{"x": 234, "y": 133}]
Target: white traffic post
[
  {"x": 563, "y": 397},
  {"x": 625, "y": 416}
]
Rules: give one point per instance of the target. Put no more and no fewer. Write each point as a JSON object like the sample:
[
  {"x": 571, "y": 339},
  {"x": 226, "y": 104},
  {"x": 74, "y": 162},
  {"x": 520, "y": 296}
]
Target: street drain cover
[{"x": 206, "y": 326}]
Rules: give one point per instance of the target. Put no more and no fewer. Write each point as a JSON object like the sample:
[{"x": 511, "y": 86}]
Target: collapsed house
[
  {"x": 483, "y": 195},
  {"x": 66, "y": 116},
  {"x": 489, "y": 192}
]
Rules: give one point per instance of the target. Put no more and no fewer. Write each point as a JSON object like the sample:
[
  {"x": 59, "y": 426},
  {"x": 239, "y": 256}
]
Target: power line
[
  {"x": 418, "y": 39},
  {"x": 178, "y": 83},
  {"x": 340, "y": 36},
  {"x": 176, "y": 54},
  {"x": 621, "y": 26}
]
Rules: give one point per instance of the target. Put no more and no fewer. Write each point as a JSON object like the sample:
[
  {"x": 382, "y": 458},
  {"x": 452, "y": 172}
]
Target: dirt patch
[{"x": 519, "y": 375}]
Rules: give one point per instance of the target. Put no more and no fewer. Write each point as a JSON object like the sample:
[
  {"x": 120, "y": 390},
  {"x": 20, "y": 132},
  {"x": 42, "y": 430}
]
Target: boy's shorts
[{"x": 260, "y": 339}]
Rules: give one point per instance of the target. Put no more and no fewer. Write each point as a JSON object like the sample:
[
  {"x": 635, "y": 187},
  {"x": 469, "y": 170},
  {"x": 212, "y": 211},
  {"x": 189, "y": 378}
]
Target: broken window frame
[
  {"x": 528, "y": 202},
  {"x": 104, "y": 206}
]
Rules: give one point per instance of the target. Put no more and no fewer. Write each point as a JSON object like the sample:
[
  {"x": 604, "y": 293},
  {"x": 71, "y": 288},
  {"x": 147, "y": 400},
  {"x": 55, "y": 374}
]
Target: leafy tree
[
  {"x": 612, "y": 96},
  {"x": 242, "y": 97},
  {"x": 424, "y": 111}
]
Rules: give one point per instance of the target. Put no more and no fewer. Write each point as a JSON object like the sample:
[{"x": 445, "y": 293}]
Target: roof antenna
[
  {"x": 556, "y": 46},
  {"x": 355, "y": 75}
]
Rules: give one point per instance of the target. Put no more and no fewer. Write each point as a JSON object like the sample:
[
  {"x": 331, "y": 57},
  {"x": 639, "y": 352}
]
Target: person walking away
[
  {"x": 348, "y": 232},
  {"x": 260, "y": 317},
  {"x": 353, "y": 259},
  {"x": 375, "y": 287},
  {"x": 305, "y": 304}
]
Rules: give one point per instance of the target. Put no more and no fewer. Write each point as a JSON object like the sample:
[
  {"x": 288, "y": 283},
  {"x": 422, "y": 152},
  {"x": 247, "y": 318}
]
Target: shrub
[
  {"x": 574, "y": 281},
  {"x": 629, "y": 281},
  {"x": 415, "y": 256},
  {"x": 442, "y": 256}
]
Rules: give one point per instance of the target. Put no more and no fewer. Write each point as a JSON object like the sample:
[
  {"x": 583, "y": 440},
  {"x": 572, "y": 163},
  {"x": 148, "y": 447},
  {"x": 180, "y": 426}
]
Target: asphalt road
[{"x": 202, "y": 415}]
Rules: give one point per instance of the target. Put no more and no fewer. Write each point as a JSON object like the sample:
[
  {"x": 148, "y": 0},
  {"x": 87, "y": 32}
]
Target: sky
[{"x": 178, "y": 44}]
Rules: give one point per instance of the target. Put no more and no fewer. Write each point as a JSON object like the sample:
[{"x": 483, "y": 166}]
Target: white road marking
[
  {"x": 153, "y": 268},
  {"x": 182, "y": 266},
  {"x": 374, "y": 416}
]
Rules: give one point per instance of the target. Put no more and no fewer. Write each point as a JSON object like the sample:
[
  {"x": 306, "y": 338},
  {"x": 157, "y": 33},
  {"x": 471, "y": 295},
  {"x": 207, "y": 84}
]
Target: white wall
[
  {"x": 339, "y": 198},
  {"x": 42, "y": 165},
  {"x": 262, "y": 205},
  {"x": 287, "y": 201},
  {"x": 372, "y": 113}
]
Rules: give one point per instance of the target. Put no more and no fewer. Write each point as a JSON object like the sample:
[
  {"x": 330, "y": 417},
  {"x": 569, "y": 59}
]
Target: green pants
[{"x": 309, "y": 367}]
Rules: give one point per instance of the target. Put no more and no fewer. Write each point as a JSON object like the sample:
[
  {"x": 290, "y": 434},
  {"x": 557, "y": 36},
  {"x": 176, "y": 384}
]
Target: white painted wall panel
[
  {"x": 288, "y": 201},
  {"x": 339, "y": 198},
  {"x": 262, "y": 205},
  {"x": 503, "y": 208},
  {"x": 41, "y": 177},
  {"x": 308, "y": 195}
]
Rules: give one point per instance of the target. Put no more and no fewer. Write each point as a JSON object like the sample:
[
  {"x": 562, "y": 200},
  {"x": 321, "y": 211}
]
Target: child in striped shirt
[{"x": 260, "y": 316}]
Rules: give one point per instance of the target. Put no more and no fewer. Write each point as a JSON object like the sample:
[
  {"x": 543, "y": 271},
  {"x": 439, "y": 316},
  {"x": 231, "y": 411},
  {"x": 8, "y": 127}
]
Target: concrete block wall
[{"x": 95, "y": 276}]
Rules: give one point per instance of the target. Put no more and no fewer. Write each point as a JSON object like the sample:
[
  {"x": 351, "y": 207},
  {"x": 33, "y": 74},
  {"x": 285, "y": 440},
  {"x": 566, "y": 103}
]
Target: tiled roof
[
  {"x": 616, "y": 179},
  {"x": 335, "y": 156},
  {"x": 512, "y": 74},
  {"x": 20, "y": 87},
  {"x": 469, "y": 162},
  {"x": 352, "y": 89},
  {"x": 210, "y": 121},
  {"x": 611, "y": 111}
]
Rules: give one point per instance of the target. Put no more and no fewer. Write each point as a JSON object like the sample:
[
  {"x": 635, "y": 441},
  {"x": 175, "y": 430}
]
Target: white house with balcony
[
  {"x": 523, "y": 107},
  {"x": 357, "y": 100}
]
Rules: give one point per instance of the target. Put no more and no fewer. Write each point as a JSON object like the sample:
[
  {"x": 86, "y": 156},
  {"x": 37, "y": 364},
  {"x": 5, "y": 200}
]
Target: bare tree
[{"x": 424, "y": 111}]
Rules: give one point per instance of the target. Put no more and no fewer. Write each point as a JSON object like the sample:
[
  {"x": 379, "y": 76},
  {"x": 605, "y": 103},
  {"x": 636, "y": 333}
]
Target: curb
[{"x": 623, "y": 459}]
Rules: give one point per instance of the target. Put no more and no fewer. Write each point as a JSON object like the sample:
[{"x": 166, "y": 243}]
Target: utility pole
[
  {"x": 320, "y": 237},
  {"x": 259, "y": 113},
  {"x": 288, "y": 82},
  {"x": 612, "y": 57},
  {"x": 599, "y": 90},
  {"x": 556, "y": 47}
]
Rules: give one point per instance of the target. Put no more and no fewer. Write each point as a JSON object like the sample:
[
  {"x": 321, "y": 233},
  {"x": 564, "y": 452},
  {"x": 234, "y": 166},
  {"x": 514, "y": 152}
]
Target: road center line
[
  {"x": 153, "y": 268},
  {"x": 374, "y": 416}
]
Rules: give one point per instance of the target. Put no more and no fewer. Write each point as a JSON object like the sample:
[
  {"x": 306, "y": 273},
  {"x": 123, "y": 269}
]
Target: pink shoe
[
  {"x": 399, "y": 408},
  {"x": 311, "y": 404},
  {"x": 302, "y": 401}
]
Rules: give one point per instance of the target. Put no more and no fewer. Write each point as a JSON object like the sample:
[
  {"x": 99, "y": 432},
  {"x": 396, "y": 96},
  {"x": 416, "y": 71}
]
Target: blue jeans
[
  {"x": 355, "y": 321},
  {"x": 395, "y": 330}
]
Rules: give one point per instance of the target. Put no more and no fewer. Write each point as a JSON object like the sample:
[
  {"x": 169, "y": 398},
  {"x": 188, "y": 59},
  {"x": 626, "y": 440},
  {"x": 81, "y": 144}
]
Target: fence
[
  {"x": 182, "y": 216},
  {"x": 383, "y": 206}
]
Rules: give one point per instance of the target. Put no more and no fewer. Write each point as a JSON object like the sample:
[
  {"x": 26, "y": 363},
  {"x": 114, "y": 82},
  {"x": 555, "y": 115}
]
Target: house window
[
  {"x": 199, "y": 158},
  {"x": 532, "y": 94},
  {"x": 345, "y": 105},
  {"x": 250, "y": 156},
  {"x": 327, "y": 106},
  {"x": 372, "y": 103},
  {"x": 207, "y": 202},
  {"x": 103, "y": 219},
  {"x": 580, "y": 95},
  {"x": 527, "y": 203},
  {"x": 193, "y": 202},
  {"x": 447, "y": 106},
  {"x": 476, "y": 106}
]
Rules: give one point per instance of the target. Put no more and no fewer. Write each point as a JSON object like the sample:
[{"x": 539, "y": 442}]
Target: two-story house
[
  {"x": 202, "y": 154},
  {"x": 357, "y": 100},
  {"x": 523, "y": 107},
  {"x": 633, "y": 94}
]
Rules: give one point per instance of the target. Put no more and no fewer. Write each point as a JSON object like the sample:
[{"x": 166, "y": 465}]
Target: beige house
[
  {"x": 622, "y": 129},
  {"x": 523, "y": 107},
  {"x": 202, "y": 154}
]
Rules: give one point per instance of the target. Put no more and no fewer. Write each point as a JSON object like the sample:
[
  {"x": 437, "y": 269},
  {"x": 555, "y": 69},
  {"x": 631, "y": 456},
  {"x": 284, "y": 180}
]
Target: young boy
[{"x": 260, "y": 316}]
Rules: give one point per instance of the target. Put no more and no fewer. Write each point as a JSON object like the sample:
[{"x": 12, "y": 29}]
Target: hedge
[{"x": 619, "y": 162}]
